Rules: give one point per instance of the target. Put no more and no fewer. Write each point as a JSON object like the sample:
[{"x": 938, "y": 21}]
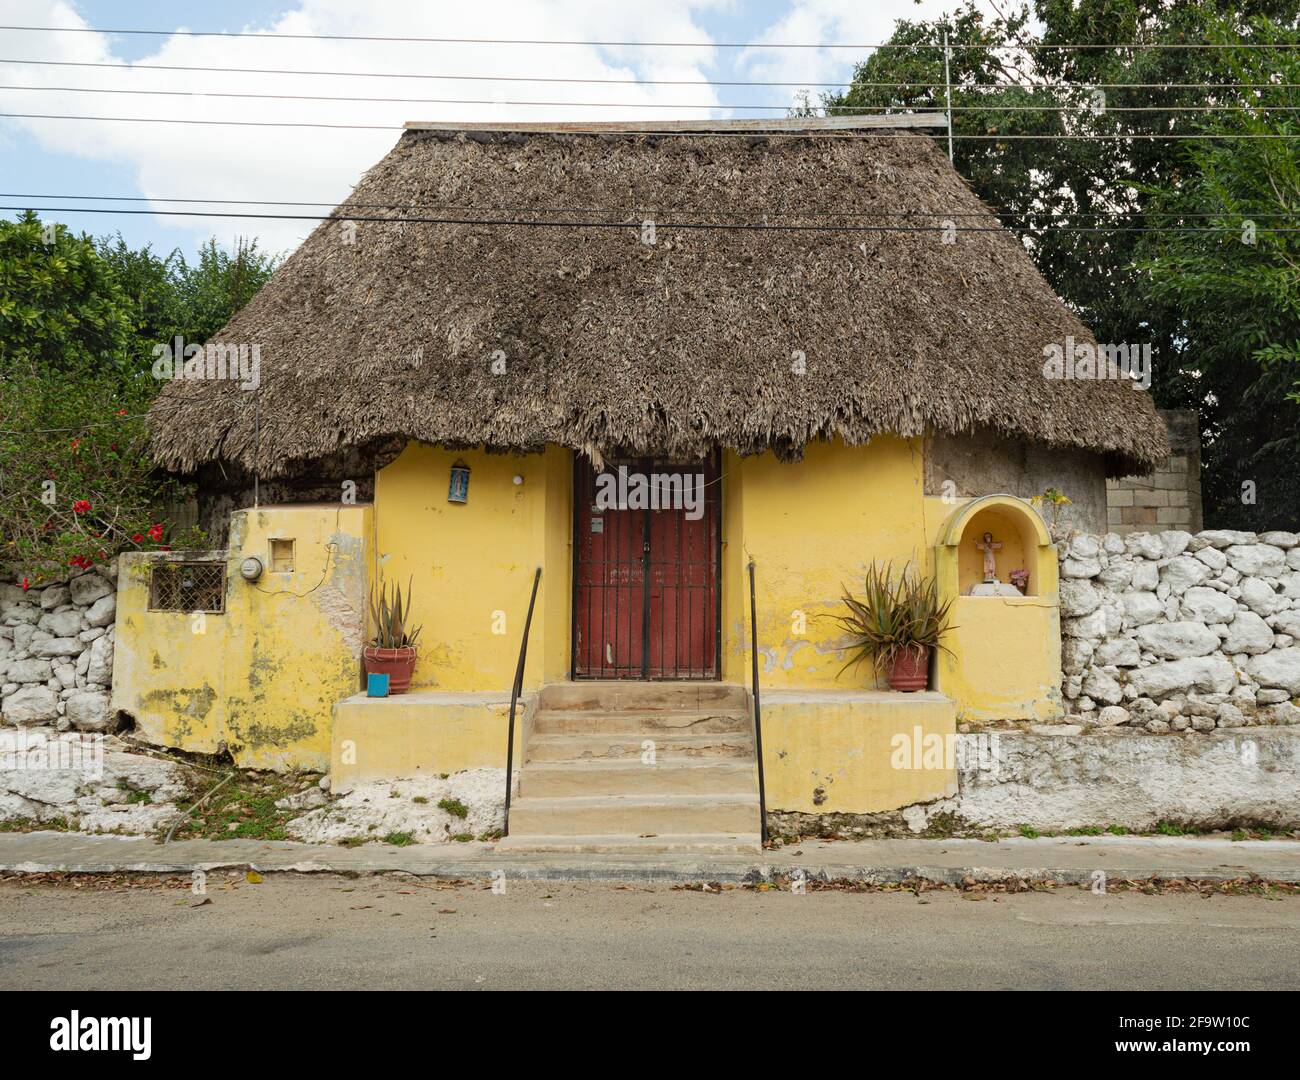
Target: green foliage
[
  {"x": 454, "y": 807},
  {"x": 399, "y": 839},
  {"x": 1238, "y": 291},
  {"x": 896, "y": 612},
  {"x": 79, "y": 321},
  {"x": 1101, "y": 193},
  {"x": 243, "y": 808},
  {"x": 389, "y": 618}
]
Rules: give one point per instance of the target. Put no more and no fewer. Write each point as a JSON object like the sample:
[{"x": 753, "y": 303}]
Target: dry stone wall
[
  {"x": 1172, "y": 631},
  {"x": 56, "y": 652}
]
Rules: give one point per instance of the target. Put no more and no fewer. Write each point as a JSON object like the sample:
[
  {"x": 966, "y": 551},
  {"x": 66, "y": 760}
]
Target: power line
[
  {"x": 639, "y": 210},
  {"x": 637, "y": 225},
  {"x": 632, "y": 82},
  {"x": 1081, "y": 107},
  {"x": 691, "y": 134},
  {"x": 1028, "y": 46}
]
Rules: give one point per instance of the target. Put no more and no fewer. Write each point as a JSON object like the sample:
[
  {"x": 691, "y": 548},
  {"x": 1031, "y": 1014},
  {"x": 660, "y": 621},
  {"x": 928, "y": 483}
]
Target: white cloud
[
  {"x": 853, "y": 22},
  {"x": 200, "y": 161},
  {"x": 286, "y": 163}
]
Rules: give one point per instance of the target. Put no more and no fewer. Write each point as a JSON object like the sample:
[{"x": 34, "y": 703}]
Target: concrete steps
[
  {"x": 688, "y": 843},
  {"x": 588, "y": 783},
  {"x": 606, "y": 695},
  {"x": 639, "y": 721},
  {"x": 561, "y": 779},
  {"x": 633, "y": 815},
  {"x": 667, "y": 748}
]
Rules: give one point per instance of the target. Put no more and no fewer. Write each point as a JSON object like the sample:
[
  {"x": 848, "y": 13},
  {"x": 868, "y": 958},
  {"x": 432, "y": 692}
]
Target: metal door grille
[{"x": 647, "y": 595}]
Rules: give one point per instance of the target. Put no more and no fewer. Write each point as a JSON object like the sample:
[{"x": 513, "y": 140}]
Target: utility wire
[
  {"x": 1084, "y": 107},
  {"x": 913, "y": 85},
  {"x": 639, "y": 210},
  {"x": 689, "y": 134},
  {"x": 1029, "y": 46},
  {"x": 634, "y": 224}
]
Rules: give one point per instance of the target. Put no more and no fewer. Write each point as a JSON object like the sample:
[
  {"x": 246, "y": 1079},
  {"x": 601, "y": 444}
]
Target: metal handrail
[
  {"x": 758, "y": 709},
  {"x": 515, "y": 691}
]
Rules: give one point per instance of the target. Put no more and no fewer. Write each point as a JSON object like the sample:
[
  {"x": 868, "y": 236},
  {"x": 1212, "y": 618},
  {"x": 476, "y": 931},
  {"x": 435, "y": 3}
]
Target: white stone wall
[
  {"x": 56, "y": 652},
  {"x": 1172, "y": 631}
]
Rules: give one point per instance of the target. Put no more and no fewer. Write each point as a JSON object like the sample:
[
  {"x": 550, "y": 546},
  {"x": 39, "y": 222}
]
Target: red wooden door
[{"x": 646, "y": 593}]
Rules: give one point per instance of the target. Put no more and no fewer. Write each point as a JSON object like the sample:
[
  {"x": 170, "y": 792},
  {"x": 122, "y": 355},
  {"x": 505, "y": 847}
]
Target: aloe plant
[
  {"x": 390, "y": 618},
  {"x": 896, "y": 612}
]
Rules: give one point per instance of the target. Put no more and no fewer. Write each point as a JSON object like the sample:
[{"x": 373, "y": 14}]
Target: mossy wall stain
[{"x": 263, "y": 676}]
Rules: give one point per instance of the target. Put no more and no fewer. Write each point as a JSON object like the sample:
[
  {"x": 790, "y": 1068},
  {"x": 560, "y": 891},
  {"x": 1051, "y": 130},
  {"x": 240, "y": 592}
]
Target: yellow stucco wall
[
  {"x": 471, "y": 565},
  {"x": 263, "y": 676},
  {"x": 812, "y": 527},
  {"x": 424, "y": 733},
  {"x": 855, "y": 752},
  {"x": 1004, "y": 653}
]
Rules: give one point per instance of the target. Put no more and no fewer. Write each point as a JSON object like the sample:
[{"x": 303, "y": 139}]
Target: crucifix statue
[{"x": 987, "y": 546}]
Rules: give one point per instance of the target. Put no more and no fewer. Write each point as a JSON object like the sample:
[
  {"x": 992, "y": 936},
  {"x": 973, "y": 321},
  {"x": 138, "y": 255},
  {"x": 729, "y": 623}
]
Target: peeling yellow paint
[{"x": 261, "y": 678}]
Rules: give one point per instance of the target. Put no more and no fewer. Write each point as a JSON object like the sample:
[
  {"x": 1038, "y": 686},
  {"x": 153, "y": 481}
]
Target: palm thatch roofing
[{"x": 501, "y": 332}]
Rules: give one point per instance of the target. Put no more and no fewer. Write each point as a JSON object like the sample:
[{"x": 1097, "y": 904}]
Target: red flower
[
  {"x": 165, "y": 547},
  {"x": 81, "y": 506},
  {"x": 137, "y": 538},
  {"x": 121, "y": 412},
  {"x": 81, "y": 562},
  {"x": 26, "y": 584},
  {"x": 75, "y": 444},
  {"x": 155, "y": 532}
]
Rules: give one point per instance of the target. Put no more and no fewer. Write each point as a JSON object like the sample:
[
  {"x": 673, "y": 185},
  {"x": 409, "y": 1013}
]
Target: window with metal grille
[{"x": 188, "y": 586}]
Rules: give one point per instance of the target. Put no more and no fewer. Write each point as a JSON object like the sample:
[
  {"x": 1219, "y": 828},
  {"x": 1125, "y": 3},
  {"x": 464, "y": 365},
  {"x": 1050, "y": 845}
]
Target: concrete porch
[{"x": 657, "y": 766}]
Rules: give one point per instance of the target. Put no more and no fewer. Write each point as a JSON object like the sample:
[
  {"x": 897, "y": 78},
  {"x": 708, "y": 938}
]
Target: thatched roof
[{"x": 670, "y": 348}]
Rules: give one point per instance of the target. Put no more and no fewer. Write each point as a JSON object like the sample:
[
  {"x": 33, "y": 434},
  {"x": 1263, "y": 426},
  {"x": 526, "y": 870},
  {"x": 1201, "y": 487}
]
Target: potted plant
[
  {"x": 391, "y": 650},
  {"x": 896, "y": 624}
]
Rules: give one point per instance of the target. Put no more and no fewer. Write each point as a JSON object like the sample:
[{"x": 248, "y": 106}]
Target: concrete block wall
[{"x": 1170, "y": 498}]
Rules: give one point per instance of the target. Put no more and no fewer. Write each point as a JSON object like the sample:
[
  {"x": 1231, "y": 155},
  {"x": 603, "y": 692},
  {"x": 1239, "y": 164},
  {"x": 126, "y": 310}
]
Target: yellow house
[{"x": 662, "y": 411}]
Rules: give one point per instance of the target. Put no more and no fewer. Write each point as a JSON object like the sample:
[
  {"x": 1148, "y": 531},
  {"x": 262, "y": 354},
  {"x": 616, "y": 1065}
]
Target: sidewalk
[{"x": 1066, "y": 860}]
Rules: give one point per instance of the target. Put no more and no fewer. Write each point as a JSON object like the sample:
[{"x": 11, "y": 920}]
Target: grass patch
[
  {"x": 463, "y": 837},
  {"x": 352, "y": 841},
  {"x": 23, "y": 824},
  {"x": 1085, "y": 830},
  {"x": 1168, "y": 828},
  {"x": 243, "y": 808},
  {"x": 421, "y": 799},
  {"x": 131, "y": 794},
  {"x": 454, "y": 807},
  {"x": 399, "y": 839},
  {"x": 1029, "y": 832},
  {"x": 1117, "y": 830}
]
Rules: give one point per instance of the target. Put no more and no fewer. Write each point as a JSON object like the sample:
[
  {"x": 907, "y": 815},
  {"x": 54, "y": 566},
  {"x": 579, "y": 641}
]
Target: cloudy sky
[{"x": 157, "y": 161}]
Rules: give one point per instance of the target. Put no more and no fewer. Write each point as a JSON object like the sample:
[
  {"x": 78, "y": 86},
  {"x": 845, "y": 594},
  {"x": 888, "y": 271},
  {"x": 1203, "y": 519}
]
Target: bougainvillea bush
[{"x": 77, "y": 484}]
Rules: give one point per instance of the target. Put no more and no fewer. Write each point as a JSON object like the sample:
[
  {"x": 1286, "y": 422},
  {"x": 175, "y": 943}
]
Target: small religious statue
[{"x": 990, "y": 563}]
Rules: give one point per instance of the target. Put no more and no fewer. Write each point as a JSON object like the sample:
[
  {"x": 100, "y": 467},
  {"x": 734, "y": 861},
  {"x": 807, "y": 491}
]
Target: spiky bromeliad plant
[
  {"x": 390, "y": 618},
  {"x": 897, "y": 612}
]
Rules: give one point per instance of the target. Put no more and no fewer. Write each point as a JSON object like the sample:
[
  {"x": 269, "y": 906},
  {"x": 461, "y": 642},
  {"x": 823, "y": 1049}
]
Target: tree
[
  {"x": 79, "y": 321},
  {"x": 1237, "y": 289},
  {"x": 1082, "y": 204}
]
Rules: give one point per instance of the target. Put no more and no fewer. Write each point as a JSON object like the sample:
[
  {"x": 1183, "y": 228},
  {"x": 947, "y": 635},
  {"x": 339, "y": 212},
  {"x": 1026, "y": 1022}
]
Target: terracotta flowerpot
[
  {"x": 397, "y": 664},
  {"x": 910, "y": 670}
]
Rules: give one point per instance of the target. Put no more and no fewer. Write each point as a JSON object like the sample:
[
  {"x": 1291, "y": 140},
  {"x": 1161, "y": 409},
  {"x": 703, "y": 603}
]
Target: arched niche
[{"x": 1021, "y": 536}]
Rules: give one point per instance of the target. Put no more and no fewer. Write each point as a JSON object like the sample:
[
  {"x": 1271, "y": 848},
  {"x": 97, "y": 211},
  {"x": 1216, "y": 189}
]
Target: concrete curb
[{"x": 881, "y": 862}]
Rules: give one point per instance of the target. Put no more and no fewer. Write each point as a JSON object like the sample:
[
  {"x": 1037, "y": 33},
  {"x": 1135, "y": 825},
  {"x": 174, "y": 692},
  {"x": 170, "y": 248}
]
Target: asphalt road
[{"x": 383, "y": 933}]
